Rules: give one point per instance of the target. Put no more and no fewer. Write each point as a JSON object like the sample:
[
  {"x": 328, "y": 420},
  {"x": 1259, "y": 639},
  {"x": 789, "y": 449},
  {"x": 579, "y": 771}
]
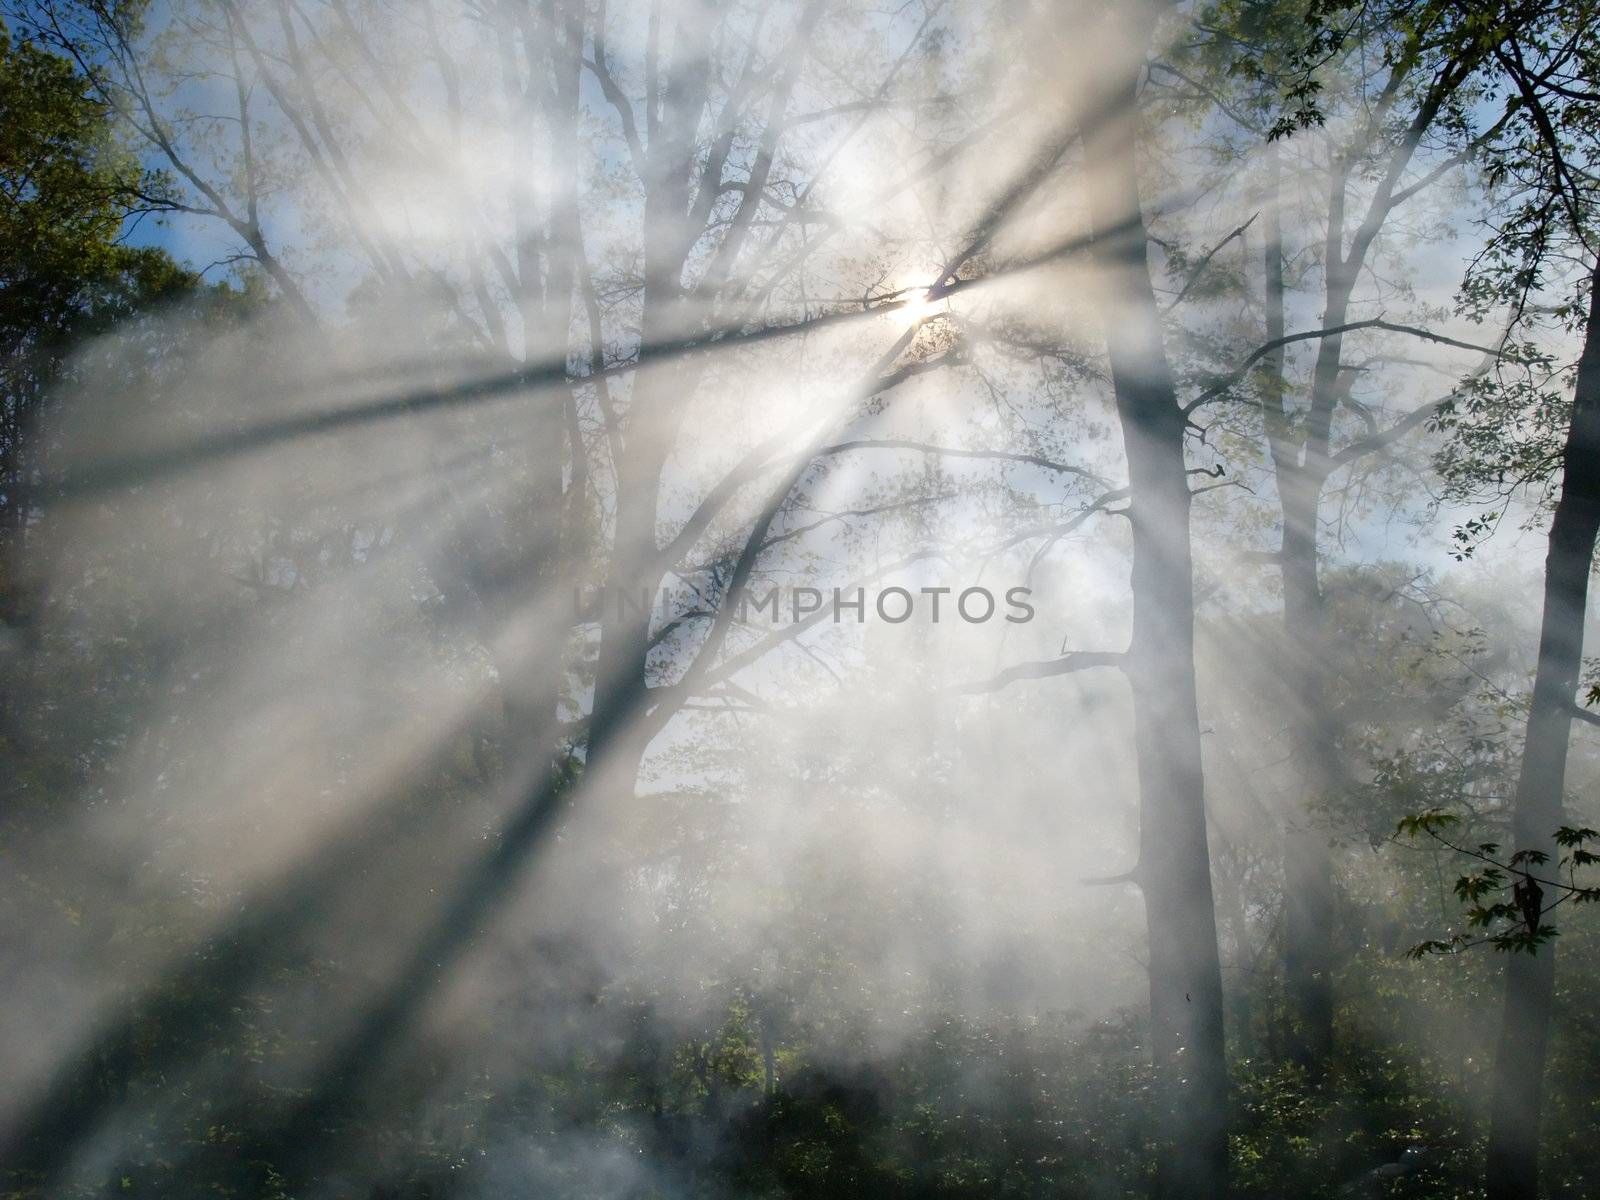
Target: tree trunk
[
  {"x": 1300, "y": 459},
  {"x": 1513, "y": 1161},
  {"x": 658, "y": 403},
  {"x": 519, "y": 565},
  {"x": 533, "y": 695},
  {"x": 1174, "y": 870},
  {"x": 1307, "y": 863}
]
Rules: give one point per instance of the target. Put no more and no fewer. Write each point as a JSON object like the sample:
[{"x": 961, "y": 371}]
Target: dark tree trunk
[
  {"x": 1513, "y": 1161},
  {"x": 1307, "y": 863},
  {"x": 1174, "y": 870}
]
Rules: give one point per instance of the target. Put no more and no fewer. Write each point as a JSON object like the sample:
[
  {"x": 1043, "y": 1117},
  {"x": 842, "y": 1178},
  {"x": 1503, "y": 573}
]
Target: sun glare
[{"x": 914, "y": 307}]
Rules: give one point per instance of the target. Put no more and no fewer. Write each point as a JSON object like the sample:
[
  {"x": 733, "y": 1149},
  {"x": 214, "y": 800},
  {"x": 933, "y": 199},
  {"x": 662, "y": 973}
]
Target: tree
[
  {"x": 1543, "y": 243},
  {"x": 70, "y": 186},
  {"x": 1174, "y": 869},
  {"x": 1380, "y": 100}
]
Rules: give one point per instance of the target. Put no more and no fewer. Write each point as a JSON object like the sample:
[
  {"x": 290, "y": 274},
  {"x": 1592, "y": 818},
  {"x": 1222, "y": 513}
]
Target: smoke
[{"x": 322, "y": 876}]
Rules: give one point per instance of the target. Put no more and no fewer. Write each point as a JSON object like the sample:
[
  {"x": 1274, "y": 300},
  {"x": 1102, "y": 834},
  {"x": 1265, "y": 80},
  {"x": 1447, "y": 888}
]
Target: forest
[{"x": 731, "y": 599}]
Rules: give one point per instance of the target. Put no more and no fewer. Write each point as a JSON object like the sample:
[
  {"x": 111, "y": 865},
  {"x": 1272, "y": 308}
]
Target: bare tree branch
[{"x": 1078, "y": 660}]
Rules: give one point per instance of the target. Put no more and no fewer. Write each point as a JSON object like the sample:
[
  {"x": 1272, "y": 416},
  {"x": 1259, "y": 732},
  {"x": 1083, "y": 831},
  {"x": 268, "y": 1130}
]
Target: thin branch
[
  {"x": 955, "y": 452},
  {"x": 1078, "y": 660},
  {"x": 1205, "y": 260},
  {"x": 1216, "y": 390}
]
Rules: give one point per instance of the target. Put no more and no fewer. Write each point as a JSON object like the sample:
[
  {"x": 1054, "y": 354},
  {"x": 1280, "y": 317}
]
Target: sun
[{"x": 913, "y": 307}]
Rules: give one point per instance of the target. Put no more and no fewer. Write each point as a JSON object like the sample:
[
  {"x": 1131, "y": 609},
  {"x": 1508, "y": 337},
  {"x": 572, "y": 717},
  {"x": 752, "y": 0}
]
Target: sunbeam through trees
[{"x": 796, "y": 598}]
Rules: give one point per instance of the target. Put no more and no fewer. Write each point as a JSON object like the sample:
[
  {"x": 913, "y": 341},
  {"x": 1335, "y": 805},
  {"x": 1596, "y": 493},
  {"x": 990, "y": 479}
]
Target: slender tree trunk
[
  {"x": 533, "y": 697},
  {"x": 1307, "y": 864},
  {"x": 1174, "y": 870},
  {"x": 632, "y": 582},
  {"x": 634, "y": 577},
  {"x": 657, "y": 406},
  {"x": 1300, "y": 466},
  {"x": 1231, "y": 912},
  {"x": 1513, "y": 1161}
]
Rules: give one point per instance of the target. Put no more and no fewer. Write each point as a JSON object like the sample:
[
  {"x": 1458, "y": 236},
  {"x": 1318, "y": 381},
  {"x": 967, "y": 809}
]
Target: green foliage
[
  {"x": 69, "y": 186},
  {"x": 1505, "y": 896},
  {"x": 1381, "y": 1105},
  {"x": 1535, "y": 270}
]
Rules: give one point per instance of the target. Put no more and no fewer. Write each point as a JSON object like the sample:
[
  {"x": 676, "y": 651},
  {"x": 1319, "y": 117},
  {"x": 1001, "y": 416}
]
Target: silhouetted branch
[
  {"x": 1218, "y": 389},
  {"x": 1079, "y": 660}
]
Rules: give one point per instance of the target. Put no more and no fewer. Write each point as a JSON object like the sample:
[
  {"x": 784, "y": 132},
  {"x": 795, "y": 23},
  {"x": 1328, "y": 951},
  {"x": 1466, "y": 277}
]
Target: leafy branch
[{"x": 1504, "y": 897}]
